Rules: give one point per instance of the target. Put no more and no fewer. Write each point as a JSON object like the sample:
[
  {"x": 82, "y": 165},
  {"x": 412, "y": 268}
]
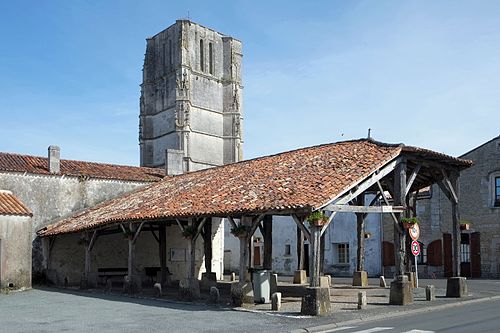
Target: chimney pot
[{"x": 54, "y": 159}]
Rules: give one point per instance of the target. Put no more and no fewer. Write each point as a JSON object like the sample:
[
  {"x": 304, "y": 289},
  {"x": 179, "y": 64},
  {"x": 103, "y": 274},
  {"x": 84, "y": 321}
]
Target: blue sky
[{"x": 425, "y": 73}]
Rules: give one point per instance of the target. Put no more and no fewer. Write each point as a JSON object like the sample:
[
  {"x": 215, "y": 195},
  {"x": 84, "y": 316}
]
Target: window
[
  {"x": 163, "y": 55},
  {"x": 288, "y": 250},
  {"x": 422, "y": 257},
  {"x": 465, "y": 248},
  {"x": 497, "y": 191},
  {"x": 170, "y": 54},
  {"x": 342, "y": 253},
  {"x": 210, "y": 58},
  {"x": 202, "y": 55}
]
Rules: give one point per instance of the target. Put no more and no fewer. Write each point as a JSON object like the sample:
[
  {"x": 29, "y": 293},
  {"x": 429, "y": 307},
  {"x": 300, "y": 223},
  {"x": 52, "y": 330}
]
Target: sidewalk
[{"x": 344, "y": 303}]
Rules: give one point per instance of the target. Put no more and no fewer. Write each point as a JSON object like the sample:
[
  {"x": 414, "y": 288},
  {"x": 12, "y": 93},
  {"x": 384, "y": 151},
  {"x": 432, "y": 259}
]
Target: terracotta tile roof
[
  {"x": 303, "y": 179},
  {"x": 11, "y": 205},
  {"x": 39, "y": 165}
]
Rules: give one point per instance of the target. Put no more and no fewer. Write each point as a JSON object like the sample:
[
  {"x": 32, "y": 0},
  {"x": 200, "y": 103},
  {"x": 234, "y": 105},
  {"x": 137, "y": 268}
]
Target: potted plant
[
  {"x": 317, "y": 218},
  {"x": 240, "y": 231},
  {"x": 408, "y": 222},
  {"x": 189, "y": 232},
  {"x": 465, "y": 225}
]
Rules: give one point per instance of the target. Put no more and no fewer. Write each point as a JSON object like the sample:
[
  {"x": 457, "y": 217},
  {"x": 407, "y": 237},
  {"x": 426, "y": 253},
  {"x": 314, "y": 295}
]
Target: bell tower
[{"x": 191, "y": 99}]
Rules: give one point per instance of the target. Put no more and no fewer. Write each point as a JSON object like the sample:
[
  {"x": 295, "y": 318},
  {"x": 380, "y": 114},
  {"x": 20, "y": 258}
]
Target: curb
[{"x": 323, "y": 328}]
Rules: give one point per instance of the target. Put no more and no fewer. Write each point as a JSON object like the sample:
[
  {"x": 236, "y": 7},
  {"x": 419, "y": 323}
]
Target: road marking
[
  {"x": 418, "y": 331},
  {"x": 375, "y": 329},
  {"x": 343, "y": 328}
]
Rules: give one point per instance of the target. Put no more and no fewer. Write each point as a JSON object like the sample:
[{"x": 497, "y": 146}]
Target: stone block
[
  {"x": 316, "y": 302},
  {"x": 214, "y": 296},
  {"x": 361, "y": 300},
  {"x": 242, "y": 293},
  {"x": 324, "y": 282},
  {"x": 383, "y": 284},
  {"x": 412, "y": 279},
  {"x": 360, "y": 279},
  {"x": 276, "y": 301},
  {"x": 430, "y": 293},
  {"x": 208, "y": 281},
  {"x": 211, "y": 276},
  {"x": 273, "y": 283},
  {"x": 300, "y": 277},
  {"x": 456, "y": 287},
  {"x": 232, "y": 277},
  {"x": 157, "y": 288},
  {"x": 330, "y": 280},
  {"x": 401, "y": 293},
  {"x": 189, "y": 289}
]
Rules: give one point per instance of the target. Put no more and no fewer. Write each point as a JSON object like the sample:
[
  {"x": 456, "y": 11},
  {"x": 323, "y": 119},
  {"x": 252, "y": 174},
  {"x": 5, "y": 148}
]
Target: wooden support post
[
  {"x": 300, "y": 249},
  {"x": 268, "y": 242},
  {"x": 455, "y": 215},
  {"x": 314, "y": 261},
  {"x": 207, "y": 244},
  {"x": 86, "y": 271},
  {"x": 131, "y": 253},
  {"x": 192, "y": 252},
  {"x": 399, "y": 200},
  {"x": 322, "y": 254},
  {"x": 162, "y": 248},
  {"x": 360, "y": 223},
  {"x": 244, "y": 275}
]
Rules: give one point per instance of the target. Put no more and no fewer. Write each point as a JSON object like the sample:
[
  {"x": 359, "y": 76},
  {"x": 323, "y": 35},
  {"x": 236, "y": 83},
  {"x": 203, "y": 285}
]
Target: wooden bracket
[{"x": 302, "y": 227}]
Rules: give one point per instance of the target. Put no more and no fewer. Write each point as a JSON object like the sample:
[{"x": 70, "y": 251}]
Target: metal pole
[{"x": 416, "y": 272}]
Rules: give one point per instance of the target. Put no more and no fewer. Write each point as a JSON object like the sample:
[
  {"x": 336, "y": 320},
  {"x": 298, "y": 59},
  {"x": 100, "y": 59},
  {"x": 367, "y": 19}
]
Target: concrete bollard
[
  {"x": 109, "y": 285},
  {"x": 157, "y": 288},
  {"x": 430, "y": 293},
  {"x": 273, "y": 283},
  {"x": 329, "y": 278},
  {"x": 214, "y": 295},
  {"x": 232, "y": 278},
  {"x": 276, "y": 301},
  {"x": 383, "y": 284},
  {"x": 361, "y": 300}
]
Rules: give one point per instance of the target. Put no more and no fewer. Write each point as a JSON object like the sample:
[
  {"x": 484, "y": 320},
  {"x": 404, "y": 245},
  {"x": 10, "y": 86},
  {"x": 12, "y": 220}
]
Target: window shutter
[{"x": 434, "y": 253}]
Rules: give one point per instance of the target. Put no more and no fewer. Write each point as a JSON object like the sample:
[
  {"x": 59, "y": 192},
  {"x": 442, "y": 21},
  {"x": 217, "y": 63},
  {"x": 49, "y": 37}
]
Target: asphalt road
[
  {"x": 60, "y": 311},
  {"x": 480, "y": 317}
]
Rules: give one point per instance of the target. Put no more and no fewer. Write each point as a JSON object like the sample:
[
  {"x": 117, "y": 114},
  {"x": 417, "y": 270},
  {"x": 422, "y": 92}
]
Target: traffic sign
[
  {"x": 415, "y": 248},
  {"x": 414, "y": 232}
]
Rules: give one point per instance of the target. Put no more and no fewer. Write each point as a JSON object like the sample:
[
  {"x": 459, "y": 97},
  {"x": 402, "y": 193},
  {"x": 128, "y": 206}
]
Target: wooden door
[
  {"x": 475, "y": 255},
  {"x": 447, "y": 255},
  {"x": 256, "y": 255}
]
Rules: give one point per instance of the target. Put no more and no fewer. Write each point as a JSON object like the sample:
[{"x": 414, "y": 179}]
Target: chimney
[{"x": 54, "y": 159}]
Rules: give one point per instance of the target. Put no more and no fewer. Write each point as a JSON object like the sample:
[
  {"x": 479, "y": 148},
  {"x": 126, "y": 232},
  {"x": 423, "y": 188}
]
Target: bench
[
  {"x": 112, "y": 274},
  {"x": 152, "y": 273}
]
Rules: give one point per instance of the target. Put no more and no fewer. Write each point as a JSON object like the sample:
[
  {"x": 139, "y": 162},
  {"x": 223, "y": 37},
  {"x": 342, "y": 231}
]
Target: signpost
[{"x": 414, "y": 233}]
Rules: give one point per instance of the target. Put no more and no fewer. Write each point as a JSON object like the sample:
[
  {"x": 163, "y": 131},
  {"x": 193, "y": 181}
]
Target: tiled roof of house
[
  {"x": 39, "y": 165},
  {"x": 11, "y": 205},
  {"x": 303, "y": 179}
]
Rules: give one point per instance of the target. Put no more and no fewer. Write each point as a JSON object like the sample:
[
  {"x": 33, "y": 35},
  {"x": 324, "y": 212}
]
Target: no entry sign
[{"x": 415, "y": 248}]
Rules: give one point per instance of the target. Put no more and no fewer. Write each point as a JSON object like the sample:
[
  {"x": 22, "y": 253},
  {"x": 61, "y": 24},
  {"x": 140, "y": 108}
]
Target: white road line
[
  {"x": 343, "y": 328},
  {"x": 418, "y": 331},
  {"x": 375, "y": 329}
]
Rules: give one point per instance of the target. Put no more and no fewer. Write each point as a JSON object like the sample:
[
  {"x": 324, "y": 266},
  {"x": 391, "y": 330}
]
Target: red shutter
[{"x": 434, "y": 253}]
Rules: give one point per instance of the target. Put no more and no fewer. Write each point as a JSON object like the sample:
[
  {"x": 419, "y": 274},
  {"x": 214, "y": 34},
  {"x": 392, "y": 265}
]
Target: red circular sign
[
  {"x": 414, "y": 232},
  {"x": 415, "y": 248}
]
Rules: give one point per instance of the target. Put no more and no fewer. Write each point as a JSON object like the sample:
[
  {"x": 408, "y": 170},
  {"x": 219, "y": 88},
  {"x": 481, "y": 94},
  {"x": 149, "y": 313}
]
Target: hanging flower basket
[
  {"x": 240, "y": 231},
  {"x": 408, "y": 222},
  {"x": 317, "y": 219},
  {"x": 189, "y": 232},
  {"x": 465, "y": 225}
]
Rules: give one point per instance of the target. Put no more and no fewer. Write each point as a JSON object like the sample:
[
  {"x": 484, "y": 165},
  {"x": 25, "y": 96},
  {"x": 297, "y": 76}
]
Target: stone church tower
[{"x": 191, "y": 99}]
